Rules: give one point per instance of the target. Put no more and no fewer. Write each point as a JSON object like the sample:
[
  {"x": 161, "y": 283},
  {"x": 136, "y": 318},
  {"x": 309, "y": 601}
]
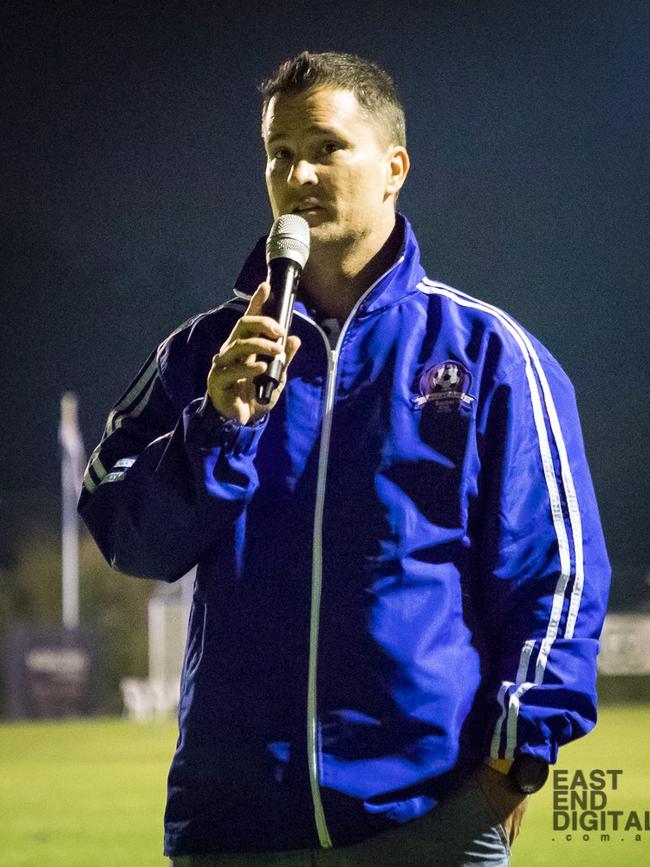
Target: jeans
[{"x": 460, "y": 831}]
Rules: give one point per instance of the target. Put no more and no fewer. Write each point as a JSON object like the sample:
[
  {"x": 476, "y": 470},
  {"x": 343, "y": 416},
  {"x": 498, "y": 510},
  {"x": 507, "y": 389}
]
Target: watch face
[{"x": 529, "y": 773}]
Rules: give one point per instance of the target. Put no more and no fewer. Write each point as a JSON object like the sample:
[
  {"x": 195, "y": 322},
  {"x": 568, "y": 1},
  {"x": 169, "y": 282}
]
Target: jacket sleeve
[
  {"x": 543, "y": 567},
  {"x": 163, "y": 484}
]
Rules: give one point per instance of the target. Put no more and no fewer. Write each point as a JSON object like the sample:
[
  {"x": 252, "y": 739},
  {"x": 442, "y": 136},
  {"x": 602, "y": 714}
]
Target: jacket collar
[{"x": 399, "y": 280}]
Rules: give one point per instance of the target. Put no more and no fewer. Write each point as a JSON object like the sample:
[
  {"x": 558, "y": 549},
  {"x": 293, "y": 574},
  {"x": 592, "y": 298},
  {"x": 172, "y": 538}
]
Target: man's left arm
[{"x": 542, "y": 567}]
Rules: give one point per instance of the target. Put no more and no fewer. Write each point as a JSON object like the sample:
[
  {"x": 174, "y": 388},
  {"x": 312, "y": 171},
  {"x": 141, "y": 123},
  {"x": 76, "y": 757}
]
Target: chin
[{"x": 327, "y": 232}]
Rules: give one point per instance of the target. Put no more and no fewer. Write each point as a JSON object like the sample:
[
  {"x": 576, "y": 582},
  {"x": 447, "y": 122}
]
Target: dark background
[{"x": 132, "y": 187}]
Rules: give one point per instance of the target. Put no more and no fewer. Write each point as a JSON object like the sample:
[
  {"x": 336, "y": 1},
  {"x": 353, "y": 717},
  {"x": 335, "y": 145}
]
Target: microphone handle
[{"x": 283, "y": 276}]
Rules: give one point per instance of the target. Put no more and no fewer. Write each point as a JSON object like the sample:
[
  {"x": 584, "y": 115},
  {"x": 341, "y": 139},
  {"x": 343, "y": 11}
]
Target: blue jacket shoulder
[{"x": 503, "y": 340}]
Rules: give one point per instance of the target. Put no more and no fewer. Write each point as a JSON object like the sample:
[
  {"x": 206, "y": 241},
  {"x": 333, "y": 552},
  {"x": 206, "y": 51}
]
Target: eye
[
  {"x": 280, "y": 154},
  {"x": 331, "y": 146}
]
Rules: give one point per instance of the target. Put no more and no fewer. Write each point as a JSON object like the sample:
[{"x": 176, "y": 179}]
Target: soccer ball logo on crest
[
  {"x": 446, "y": 377},
  {"x": 442, "y": 377},
  {"x": 445, "y": 386}
]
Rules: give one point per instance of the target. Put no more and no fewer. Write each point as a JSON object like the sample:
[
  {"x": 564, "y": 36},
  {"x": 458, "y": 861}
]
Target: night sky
[{"x": 132, "y": 188}]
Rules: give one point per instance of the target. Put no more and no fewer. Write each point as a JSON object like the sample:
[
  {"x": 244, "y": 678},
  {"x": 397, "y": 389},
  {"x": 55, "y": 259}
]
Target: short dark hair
[{"x": 372, "y": 86}]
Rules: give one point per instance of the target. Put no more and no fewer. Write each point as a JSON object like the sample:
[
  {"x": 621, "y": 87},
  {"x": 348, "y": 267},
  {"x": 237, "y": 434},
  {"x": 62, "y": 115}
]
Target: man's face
[{"x": 326, "y": 162}]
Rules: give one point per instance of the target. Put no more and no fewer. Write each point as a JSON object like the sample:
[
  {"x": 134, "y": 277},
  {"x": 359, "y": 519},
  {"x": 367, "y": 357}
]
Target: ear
[{"x": 397, "y": 168}]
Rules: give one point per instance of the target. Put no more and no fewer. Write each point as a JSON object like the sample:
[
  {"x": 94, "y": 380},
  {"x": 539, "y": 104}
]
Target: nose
[{"x": 302, "y": 172}]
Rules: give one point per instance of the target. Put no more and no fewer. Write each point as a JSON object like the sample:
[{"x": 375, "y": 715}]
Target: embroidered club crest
[{"x": 446, "y": 386}]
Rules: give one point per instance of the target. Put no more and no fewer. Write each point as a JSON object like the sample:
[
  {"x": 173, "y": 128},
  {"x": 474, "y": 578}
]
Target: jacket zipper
[
  {"x": 317, "y": 567},
  {"x": 316, "y": 586}
]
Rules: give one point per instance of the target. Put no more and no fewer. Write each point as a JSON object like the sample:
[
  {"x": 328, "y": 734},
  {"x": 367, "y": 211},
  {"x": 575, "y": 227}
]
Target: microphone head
[{"x": 289, "y": 239}]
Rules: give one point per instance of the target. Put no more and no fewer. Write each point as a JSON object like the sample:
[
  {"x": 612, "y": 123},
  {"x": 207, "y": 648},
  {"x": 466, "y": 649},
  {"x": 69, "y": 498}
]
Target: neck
[{"x": 334, "y": 280}]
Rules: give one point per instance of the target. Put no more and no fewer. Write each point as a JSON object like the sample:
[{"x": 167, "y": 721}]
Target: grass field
[{"x": 92, "y": 793}]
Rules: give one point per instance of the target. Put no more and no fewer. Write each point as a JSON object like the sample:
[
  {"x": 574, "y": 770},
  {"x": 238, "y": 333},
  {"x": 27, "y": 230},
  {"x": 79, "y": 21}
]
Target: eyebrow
[{"x": 313, "y": 129}]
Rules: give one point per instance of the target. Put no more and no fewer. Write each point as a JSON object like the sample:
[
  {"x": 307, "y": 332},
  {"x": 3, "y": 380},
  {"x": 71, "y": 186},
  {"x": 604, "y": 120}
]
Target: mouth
[{"x": 307, "y": 207}]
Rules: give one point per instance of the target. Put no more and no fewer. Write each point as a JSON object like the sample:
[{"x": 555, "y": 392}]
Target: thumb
[{"x": 291, "y": 347}]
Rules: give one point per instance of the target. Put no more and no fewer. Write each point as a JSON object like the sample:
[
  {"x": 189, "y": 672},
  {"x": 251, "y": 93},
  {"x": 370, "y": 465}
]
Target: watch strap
[{"x": 501, "y": 765}]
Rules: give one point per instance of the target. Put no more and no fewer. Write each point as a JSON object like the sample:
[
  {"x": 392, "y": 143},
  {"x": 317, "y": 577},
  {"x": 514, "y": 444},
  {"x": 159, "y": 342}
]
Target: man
[{"x": 401, "y": 573}]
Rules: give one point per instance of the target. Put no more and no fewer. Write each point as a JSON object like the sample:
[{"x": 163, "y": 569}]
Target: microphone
[{"x": 287, "y": 251}]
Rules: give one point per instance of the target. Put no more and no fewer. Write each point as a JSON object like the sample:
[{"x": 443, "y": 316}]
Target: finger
[
  {"x": 241, "y": 347},
  {"x": 254, "y": 325},
  {"x": 259, "y": 298},
  {"x": 292, "y": 346},
  {"x": 240, "y": 372}
]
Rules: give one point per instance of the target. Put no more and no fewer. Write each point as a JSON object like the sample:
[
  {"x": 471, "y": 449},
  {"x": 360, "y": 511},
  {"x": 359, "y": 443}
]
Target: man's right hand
[{"x": 231, "y": 381}]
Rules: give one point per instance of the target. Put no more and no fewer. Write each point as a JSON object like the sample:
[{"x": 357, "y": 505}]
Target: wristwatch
[{"x": 527, "y": 774}]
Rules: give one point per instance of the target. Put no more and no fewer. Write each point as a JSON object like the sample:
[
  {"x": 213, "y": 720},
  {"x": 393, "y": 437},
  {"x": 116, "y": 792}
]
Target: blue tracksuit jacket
[{"x": 401, "y": 568}]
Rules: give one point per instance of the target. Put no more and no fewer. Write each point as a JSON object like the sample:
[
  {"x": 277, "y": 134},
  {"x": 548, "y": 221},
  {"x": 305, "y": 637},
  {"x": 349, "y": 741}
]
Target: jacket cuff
[{"x": 209, "y": 429}]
